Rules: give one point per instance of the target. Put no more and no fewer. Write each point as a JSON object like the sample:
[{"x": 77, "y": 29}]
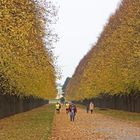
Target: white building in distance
[{"x": 59, "y": 91}]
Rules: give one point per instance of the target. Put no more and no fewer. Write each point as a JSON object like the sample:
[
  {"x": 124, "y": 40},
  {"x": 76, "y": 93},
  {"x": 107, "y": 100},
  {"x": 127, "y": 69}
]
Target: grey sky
[{"x": 79, "y": 26}]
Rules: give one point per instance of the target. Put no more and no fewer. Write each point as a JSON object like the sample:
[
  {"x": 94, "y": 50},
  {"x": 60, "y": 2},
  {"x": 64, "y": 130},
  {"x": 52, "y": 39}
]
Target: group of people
[{"x": 71, "y": 109}]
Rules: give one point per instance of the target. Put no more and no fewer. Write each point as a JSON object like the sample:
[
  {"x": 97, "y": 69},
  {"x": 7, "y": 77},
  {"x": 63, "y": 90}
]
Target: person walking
[
  {"x": 87, "y": 108},
  {"x": 91, "y": 107},
  {"x": 58, "y": 107},
  {"x": 67, "y": 107},
  {"x": 72, "y": 111}
]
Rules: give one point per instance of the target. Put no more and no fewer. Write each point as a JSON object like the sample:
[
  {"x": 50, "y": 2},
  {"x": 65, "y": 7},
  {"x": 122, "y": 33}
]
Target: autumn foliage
[
  {"x": 112, "y": 66},
  {"x": 26, "y": 65}
]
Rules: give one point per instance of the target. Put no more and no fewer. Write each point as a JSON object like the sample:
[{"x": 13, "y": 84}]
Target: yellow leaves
[
  {"x": 113, "y": 65},
  {"x": 23, "y": 56},
  {"x": 137, "y": 54}
]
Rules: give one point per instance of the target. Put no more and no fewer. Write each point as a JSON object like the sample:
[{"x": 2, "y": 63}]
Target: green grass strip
[
  {"x": 32, "y": 125},
  {"x": 124, "y": 115}
]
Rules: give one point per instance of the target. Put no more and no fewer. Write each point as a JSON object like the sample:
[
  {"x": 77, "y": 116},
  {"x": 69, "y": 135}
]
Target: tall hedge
[
  {"x": 112, "y": 66},
  {"x": 26, "y": 64}
]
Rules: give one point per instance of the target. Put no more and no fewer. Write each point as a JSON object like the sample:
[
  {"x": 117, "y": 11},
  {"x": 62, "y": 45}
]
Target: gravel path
[{"x": 92, "y": 127}]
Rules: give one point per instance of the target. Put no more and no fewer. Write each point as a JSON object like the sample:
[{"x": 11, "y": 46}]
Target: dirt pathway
[{"x": 92, "y": 127}]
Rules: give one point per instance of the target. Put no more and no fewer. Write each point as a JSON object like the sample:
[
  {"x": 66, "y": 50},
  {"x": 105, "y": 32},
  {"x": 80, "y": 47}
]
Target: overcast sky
[{"x": 79, "y": 26}]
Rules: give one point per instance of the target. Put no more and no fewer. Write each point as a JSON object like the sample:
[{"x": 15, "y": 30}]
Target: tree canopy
[
  {"x": 112, "y": 66},
  {"x": 26, "y": 60}
]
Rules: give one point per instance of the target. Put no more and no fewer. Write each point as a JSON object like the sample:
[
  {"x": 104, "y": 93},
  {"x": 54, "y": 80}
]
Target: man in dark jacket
[{"x": 72, "y": 111}]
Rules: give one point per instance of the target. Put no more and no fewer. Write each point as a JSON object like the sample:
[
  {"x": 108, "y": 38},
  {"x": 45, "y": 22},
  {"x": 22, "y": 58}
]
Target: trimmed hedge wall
[
  {"x": 129, "y": 102},
  {"x": 10, "y": 105}
]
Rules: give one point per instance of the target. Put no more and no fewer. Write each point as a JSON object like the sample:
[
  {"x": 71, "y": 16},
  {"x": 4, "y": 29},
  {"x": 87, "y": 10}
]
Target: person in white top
[{"x": 91, "y": 107}]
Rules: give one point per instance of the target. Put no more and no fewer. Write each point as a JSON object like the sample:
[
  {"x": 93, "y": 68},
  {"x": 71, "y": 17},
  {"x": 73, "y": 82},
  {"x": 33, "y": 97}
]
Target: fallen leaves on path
[{"x": 92, "y": 127}]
